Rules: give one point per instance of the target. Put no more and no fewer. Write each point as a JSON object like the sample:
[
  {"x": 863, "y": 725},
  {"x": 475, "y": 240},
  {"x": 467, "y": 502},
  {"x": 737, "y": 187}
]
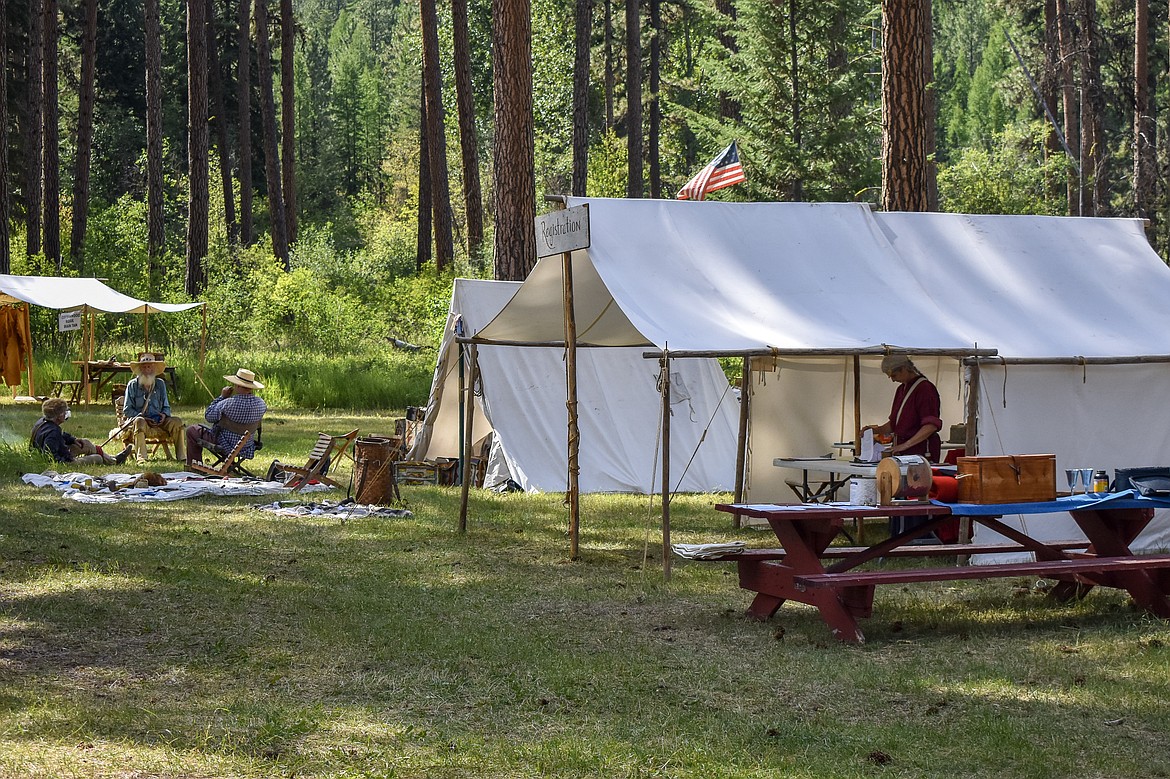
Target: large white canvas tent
[
  {"x": 1074, "y": 308},
  {"x": 521, "y": 401}
]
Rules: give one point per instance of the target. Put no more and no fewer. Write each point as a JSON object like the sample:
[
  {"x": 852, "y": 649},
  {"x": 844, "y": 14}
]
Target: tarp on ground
[
  {"x": 521, "y": 397},
  {"x": 71, "y": 294},
  {"x": 807, "y": 280}
]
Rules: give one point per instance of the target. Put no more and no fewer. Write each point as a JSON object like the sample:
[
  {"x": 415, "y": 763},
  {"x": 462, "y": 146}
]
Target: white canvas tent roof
[
  {"x": 69, "y": 294},
  {"x": 801, "y": 281},
  {"x": 522, "y": 399}
]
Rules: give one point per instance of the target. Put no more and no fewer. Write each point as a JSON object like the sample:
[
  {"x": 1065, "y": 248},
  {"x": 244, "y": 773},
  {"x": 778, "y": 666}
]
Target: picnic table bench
[{"x": 797, "y": 571}]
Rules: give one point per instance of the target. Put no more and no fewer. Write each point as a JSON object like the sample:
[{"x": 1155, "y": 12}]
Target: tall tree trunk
[
  {"x": 1143, "y": 120},
  {"x": 514, "y": 182},
  {"x": 288, "y": 138},
  {"x": 729, "y": 107},
  {"x": 155, "y": 224},
  {"x": 1072, "y": 125},
  {"x": 582, "y": 41},
  {"x": 655, "y": 103},
  {"x": 268, "y": 119},
  {"x": 634, "y": 184},
  {"x": 610, "y": 79},
  {"x": 34, "y": 127},
  {"x": 5, "y": 198},
  {"x": 52, "y": 152},
  {"x": 1094, "y": 159},
  {"x": 197, "y": 147},
  {"x": 436, "y": 136},
  {"x": 423, "y": 253},
  {"x": 468, "y": 137},
  {"x": 244, "y": 118},
  {"x": 794, "y": 78},
  {"x": 1050, "y": 87},
  {"x": 904, "y": 181},
  {"x": 929, "y": 106},
  {"x": 84, "y": 136},
  {"x": 215, "y": 94}
]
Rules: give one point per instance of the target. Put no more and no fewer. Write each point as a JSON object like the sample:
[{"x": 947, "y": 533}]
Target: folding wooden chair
[
  {"x": 226, "y": 463},
  {"x": 327, "y": 450}
]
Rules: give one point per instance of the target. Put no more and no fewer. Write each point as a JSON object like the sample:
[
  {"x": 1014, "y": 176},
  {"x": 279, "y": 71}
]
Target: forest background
[{"x": 352, "y": 157}]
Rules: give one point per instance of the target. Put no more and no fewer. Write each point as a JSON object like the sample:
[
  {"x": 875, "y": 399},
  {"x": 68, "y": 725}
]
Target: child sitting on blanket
[{"x": 47, "y": 436}]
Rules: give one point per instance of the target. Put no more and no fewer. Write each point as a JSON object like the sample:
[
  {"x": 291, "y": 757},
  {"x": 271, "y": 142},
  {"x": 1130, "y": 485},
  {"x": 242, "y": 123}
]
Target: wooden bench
[
  {"x": 57, "y": 389},
  {"x": 1050, "y": 569}
]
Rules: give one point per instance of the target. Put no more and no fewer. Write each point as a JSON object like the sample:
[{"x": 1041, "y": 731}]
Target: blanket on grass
[
  {"x": 180, "y": 485},
  {"x": 346, "y": 509}
]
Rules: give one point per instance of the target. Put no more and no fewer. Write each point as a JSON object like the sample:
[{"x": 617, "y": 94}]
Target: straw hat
[
  {"x": 891, "y": 362},
  {"x": 149, "y": 358},
  {"x": 245, "y": 378}
]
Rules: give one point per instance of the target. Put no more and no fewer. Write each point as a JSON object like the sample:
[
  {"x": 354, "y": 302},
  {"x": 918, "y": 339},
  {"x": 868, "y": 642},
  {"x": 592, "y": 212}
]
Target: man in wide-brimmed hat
[
  {"x": 146, "y": 406},
  {"x": 235, "y": 411}
]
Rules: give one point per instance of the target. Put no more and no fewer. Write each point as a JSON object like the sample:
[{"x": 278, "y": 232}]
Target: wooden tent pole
[
  {"x": 145, "y": 330},
  {"x": 468, "y": 416},
  {"x": 29, "y": 356},
  {"x": 203, "y": 341},
  {"x": 856, "y": 405},
  {"x": 87, "y": 356},
  {"x": 745, "y": 393},
  {"x": 573, "y": 497},
  {"x": 665, "y": 363}
]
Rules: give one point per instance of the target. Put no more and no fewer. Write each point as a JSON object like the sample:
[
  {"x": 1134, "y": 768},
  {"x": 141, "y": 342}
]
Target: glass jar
[{"x": 1101, "y": 481}]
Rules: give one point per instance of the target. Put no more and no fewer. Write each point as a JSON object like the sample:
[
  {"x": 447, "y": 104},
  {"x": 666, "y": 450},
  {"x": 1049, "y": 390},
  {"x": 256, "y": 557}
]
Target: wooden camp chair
[
  {"x": 156, "y": 437},
  {"x": 226, "y": 463},
  {"x": 328, "y": 449}
]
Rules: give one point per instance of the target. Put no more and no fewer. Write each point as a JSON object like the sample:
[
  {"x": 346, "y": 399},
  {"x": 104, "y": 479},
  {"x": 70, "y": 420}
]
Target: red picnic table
[{"x": 798, "y": 572}]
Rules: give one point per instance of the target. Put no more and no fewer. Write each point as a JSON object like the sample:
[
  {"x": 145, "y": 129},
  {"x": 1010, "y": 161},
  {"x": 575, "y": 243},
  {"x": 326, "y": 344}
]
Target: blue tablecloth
[{"x": 1126, "y": 499}]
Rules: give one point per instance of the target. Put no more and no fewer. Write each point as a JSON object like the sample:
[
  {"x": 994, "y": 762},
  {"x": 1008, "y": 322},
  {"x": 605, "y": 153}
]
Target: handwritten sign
[
  {"x": 562, "y": 231},
  {"x": 68, "y": 320}
]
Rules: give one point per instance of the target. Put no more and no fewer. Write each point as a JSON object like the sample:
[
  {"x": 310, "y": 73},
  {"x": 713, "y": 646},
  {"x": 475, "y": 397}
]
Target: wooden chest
[{"x": 1014, "y": 478}]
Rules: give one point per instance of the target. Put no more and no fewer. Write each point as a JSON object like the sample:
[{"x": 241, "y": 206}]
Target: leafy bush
[{"x": 1012, "y": 178}]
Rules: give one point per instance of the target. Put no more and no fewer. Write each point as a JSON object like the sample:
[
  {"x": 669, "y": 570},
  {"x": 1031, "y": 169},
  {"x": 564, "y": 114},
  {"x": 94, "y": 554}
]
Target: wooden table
[
  {"x": 843, "y": 594},
  {"x": 97, "y": 374}
]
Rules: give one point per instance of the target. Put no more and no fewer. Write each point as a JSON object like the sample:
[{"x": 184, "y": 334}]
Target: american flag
[{"x": 723, "y": 171}]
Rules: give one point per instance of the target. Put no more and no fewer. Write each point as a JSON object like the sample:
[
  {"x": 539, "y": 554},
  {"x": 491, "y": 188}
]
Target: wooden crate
[
  {"x": 416, "y": 472},
  {"x": 1014, "y": 478}
]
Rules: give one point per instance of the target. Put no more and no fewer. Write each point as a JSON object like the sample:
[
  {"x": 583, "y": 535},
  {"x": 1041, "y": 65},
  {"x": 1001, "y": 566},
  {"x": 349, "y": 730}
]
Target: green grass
[{"x": 205, "y": 639}]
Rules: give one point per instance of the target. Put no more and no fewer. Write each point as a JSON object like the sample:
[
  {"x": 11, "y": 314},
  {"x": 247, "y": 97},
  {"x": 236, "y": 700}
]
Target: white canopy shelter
[
  {"x": 86, "y": 295},
  {"x": 1074, "y": 308},
  {"x": 72, "y": 294},
  {"x": 521, "y": 400}
]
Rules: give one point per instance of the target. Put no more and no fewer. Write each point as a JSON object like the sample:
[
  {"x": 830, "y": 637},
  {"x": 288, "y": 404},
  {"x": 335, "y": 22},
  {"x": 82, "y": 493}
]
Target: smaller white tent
[{"x": 521, "y": 399}]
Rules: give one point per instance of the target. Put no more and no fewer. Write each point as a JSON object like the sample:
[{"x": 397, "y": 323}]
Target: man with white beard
[{"x": 146, "y": 406}]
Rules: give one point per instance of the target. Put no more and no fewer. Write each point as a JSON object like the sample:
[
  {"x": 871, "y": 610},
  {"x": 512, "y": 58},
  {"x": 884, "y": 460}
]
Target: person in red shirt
[{"x": 914, "y": 416}]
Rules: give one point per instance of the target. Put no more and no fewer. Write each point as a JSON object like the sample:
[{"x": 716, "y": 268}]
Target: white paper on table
[{"x": 867, "y": 454}]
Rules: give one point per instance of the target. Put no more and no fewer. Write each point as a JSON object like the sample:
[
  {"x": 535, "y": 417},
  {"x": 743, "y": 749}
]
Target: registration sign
[
  {"x": 562, "y": 231},
  {"x": 69, "y": 320}
]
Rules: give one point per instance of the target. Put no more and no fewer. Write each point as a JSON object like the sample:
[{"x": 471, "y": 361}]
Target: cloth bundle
[{"x": 707, "y": 551}]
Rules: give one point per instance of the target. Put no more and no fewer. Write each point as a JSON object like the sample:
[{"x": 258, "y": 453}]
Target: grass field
[{"x": 206, "y": 639}]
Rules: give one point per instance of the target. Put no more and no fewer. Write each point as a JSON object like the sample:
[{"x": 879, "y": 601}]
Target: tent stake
[{"x": 573, "y": 498}]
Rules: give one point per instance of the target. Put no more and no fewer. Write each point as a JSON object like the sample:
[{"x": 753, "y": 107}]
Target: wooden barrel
[
  {"x": 374, "y": 471},
  {"x": 906, "y": 477}
]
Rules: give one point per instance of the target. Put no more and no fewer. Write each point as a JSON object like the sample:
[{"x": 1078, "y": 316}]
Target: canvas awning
[{"x": 73, "y": 294}]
